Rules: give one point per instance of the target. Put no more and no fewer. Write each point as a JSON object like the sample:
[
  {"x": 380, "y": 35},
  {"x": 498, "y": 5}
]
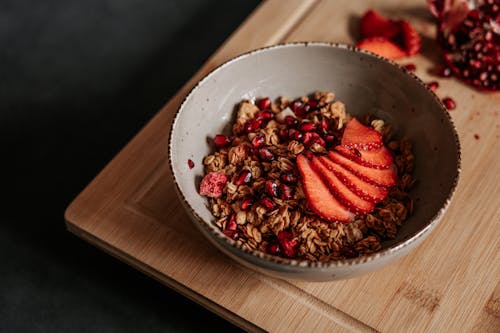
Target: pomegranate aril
[
  {"x": 243, "y": 178},
  {"x": 266, "y": 115},
  {"x": 246, "y": 204},
  {"x": 289, "y": 178},
  {"x": 433, "y": 85},
  {"x": 307, "y": 127},
  {"x": 190, "y": 164},
  {"x": 295, "y": 134},
  {"x": 263, "y": 103},
  {"x": 449, "y": 103},
  {"x": 286, "y": 192},
  {"x": 221, "y": 141},
  {"x": 296, "y": 105},
  {"x": 253, "y": 125},
  {"x": 267, "y": 202},
  {"x": 288, "y": 246},
  {"x": 271, "y": 188},
  {"x": 291, "y": 121},
  {"x": 312, "y": 104},
  {"x": 444, "y": 72},
  {"x": 330, "y": 140},
  {"x": 311, "y": 138},
  {"x": 273, "y": 248},
  {"x": 283, "y": 134},
  {"x": 410, "y": 67},
  {"x": 258, "y": 141},
  {"x": 265, "y": 154}
]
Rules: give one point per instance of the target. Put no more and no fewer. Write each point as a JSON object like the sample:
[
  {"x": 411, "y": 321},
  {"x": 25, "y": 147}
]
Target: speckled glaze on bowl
[{"x": 367, "y": 84}]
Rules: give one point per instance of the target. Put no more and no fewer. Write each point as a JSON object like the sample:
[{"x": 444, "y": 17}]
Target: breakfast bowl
[{"x": 368, "y": 85}]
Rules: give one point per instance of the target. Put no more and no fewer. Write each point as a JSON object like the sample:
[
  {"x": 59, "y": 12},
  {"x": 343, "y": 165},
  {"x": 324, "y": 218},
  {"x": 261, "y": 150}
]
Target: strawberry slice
[
  {"x": 364, "y": 189},
  {"x": 380, "y": 177},
  {"x": 383, "y": 47},
  {"x": 353, "y": 202},
  {"x": 373, "y": 24},
  {"x": 356, "y": 135},
  {"x": 379, "y": 158},
  {"x": 318, "y": 196},
  {"x": 410, "y": 38}
]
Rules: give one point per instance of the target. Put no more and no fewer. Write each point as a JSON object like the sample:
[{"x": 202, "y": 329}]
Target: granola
[{"x": 263, "y": 205}]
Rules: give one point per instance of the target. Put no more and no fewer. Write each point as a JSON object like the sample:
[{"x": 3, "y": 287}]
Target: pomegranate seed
[
  {"x": 308, "y": 154},
  {"x": 267, "y": 203},
  {"x": 449, "y": 103},
  {"x": 265, "y": 154},
  {"x": 283, "y": 134},
  {"x": 266, "y": 115},
  {"x": 410, "y": 67},
  {"x": 243, "y": 178},
  {"x": 246, "y": 204},
  {"x": 476, "y": 136},
  {"x": 190, "y": 164},
  {"x": 289, "y": 178},
  {"x": 221, "y": 141},
  {"x": 311, "y": 138},
  {"x": 271, "y": 188},
  {"x": 307, "y": 127},
  {"x": 286, "y": 192},
  {"x": 287, "y": 244},
  {"x": 356, "y": 152},
  {"x": 312, "y": 104},
  {"x": 291, "y": 121},
  {"x": 273, "y": 248},
  {"x": 296, "y": 105},
  {"x": 294, "y": 134},
  {"x": 259, "y": 140},
  {"x": 444, "y": 71},
  {"x": 433, "y": 85},
  {"x": 330, "y": 139},
  {"x": 263, "y": 103},
  {"x": 253, "y": 125}
]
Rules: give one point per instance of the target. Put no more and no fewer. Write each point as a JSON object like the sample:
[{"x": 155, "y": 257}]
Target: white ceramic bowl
[{"x": 367, "y": 84}]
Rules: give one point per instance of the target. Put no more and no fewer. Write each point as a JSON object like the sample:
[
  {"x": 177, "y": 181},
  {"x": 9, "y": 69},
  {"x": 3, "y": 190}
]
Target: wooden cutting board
[{"x": 449, "y": 284}]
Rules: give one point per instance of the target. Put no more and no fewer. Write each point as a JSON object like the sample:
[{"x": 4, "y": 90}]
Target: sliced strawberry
[
  {"x": 380, "y": 177},
  {"x": 410, "y": 39},
  {"x": 362, "y": 188},
  {"x": 357, "y": 135},
  {"x": 373, "y": 24},
  {"x": 379, "y": 158},
  {"x": 353, "y": 202},
  {"x": 318, "y": 196},
  {"x": 383, "y": 47}
]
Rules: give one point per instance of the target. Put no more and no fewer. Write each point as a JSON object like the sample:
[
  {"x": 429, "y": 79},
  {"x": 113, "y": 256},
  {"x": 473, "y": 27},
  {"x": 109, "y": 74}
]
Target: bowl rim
[{"x": 291, "y": 263}]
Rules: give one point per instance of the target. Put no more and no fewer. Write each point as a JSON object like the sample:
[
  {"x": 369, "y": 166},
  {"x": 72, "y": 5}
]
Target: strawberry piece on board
[
  {"x": 353, "y": 202},
  {"x": 383, "y": 47},
  {"x": 318, "y": 195},
  {"x": 379, "y": 177},
  {"x": 362, "y": 188},
  {"x": 373, "y": 24},
  {"x": 380, "y": 158},
  {"x": 356, "y": 135}
]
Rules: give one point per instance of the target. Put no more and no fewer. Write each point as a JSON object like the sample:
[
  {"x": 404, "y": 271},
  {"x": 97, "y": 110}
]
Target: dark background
[{"x": 77, "y": 80}]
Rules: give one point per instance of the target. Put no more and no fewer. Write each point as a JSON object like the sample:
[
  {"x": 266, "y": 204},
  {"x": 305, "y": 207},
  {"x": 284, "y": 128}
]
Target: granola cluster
[{"x": 263, "y": 206}]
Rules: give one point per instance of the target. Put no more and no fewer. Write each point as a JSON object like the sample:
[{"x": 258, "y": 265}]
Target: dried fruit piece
[
  {"x": 318, "y": 195},
  {"x": 383, "y": 47},
  {"x": 362, "y": 188},
  {"x": 243, "y": 178},
  {"x": 353, "y": 202},
  {"x": 357, "y": 135},
  {"x": 221, "y": 141},
  {"x": 380, "y": 177},
  {"x": 373, "y": 24},
  {"x": 380, "y": 158},
  {"x": 212, "y": 184}
]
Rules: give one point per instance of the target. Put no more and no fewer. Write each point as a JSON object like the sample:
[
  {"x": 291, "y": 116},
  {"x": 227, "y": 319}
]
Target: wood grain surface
[{"x": 449, "y": 284}]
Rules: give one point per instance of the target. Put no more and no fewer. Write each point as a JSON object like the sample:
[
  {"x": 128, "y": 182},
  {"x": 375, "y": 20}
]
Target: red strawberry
[
  {"x": 377, "y": 158},
  {"x": 340, "y": 190},
  {"x": 410, "y": 38},
  {"x": 318, "y": 196},
  {"x": 373, "y": 24},
  {"x": 365, "y": 190},
  {"x": 357, "y": 135},
  {"x": 383, "y": 47},
  {"x": 380, "y": 177}
]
